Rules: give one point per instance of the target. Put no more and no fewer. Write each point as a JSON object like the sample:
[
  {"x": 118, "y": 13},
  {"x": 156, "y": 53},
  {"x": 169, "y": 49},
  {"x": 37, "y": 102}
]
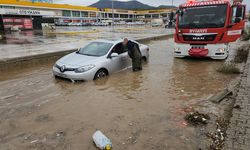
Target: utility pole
[{"x": 113, "y": 16}]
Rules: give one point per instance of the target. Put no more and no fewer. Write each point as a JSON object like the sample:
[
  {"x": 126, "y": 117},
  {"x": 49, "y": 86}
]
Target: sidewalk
[{"x": 239, "y": 129}]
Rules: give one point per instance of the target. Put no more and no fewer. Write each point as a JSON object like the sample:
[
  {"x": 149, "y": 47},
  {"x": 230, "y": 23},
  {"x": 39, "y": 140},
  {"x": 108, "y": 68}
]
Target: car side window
[{"x": 119, "y": 49}]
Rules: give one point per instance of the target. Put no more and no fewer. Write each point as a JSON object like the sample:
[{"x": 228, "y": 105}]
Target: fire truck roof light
[{"x": 191, "y": 1}]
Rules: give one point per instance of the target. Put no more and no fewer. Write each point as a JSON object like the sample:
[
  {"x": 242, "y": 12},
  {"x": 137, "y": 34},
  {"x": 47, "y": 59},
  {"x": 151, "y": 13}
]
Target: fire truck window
[
  {"x": 237, "y": 12},
  {"x": 234, "y": 14},
  {"x": 213, "y": 16}
]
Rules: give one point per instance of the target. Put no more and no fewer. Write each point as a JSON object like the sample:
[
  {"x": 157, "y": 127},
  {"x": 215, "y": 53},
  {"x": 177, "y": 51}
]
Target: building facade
[{"x": 31, "y": 14}]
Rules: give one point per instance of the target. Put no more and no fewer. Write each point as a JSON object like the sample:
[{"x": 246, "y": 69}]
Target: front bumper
[
  {"x": 214, "y": 50},
  {"x": 72, "y": 75}
]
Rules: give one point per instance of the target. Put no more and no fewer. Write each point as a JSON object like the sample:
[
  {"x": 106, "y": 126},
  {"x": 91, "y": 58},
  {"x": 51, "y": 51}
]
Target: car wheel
[{"x": 100, "y": 74}]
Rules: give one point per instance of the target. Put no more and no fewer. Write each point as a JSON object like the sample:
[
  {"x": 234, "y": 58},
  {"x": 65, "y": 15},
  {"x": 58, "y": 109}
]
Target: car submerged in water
[{"x": 96, "y": 60}]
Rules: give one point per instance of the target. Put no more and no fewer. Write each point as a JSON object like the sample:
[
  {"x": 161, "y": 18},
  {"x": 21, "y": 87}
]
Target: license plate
[{"x": 198, "y": 46}]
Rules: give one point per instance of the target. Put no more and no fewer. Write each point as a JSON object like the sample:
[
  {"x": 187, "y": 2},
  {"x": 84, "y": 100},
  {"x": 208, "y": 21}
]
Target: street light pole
[
  {"x": 172, "y": 2},
  {"x": 113, "y": 17}
]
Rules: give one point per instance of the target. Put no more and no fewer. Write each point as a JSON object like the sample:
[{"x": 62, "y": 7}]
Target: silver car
[{"x": 96, "y": 60}]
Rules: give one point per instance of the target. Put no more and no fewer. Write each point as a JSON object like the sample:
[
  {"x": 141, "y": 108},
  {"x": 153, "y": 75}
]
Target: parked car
[
  {"x": 98, "y": 59},
  {"x": 156, "y": 24},
  {"x": 86, "y": 24},
  {"x": 100, "y": 24}
]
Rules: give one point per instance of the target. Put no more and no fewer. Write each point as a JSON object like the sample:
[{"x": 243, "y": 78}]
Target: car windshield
[
  {"x": 95, "y": 49},
  {"x": 212, "y": 16}
]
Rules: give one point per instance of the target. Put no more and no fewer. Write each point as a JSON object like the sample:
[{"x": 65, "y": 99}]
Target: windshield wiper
[
  {"x": 78, "y": 52},
  {"x": 89, "y": 55}
]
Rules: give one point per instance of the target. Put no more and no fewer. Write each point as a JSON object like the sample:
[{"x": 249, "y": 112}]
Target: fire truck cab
[{"x": 205, "y": 28}]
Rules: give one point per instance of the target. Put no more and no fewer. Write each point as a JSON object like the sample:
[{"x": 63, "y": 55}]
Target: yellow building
[{"x": 30, "y": 15}]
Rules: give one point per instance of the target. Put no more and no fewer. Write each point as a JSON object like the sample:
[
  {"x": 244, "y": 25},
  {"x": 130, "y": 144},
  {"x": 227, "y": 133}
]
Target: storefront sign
[{"x": 26, "y": 12}]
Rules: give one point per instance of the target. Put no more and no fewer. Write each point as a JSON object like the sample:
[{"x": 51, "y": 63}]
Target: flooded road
[{"x": 142, "y": 110}]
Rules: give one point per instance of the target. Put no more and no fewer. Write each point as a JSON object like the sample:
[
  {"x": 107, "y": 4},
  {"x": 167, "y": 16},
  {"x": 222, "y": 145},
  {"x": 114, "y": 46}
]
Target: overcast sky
[{"x": 150, "y": 2}]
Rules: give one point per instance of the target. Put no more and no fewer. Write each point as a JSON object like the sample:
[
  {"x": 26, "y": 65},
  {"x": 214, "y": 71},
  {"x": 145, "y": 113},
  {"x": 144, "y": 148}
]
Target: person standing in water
[{"x": 134, "y": 53}]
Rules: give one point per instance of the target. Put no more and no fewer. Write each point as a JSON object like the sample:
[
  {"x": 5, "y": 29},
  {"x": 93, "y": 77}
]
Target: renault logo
[{"x": 62, "y": 68}]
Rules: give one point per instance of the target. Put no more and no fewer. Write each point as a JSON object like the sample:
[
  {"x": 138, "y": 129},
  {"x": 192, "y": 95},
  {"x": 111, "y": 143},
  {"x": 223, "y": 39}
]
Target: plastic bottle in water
[{"x": 101, "y": 141}]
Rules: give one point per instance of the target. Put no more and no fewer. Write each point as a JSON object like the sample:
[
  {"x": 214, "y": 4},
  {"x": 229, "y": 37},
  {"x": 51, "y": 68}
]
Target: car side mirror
[
  {"x": 237, "y": 20},
  {"x": 77, "y": 50},
  {"x": 114, "y": 55}
]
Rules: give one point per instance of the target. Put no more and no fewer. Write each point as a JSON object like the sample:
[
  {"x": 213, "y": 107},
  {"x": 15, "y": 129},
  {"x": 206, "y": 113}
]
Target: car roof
[{"x": 113, "y": 41}]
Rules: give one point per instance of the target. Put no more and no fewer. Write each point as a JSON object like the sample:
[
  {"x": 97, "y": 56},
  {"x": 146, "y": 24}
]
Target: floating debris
[
  {"x": 34, "y": 141},
  {"x": 101, "y": 141},
  {"x": 218, "y": 137},
  {"x": 60, "y": 134},
  {"x": 196, "y": 118}
]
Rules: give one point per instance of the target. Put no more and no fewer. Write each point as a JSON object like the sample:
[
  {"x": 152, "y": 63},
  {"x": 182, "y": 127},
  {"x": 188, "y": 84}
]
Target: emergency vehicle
[{"x": 205, "y": 28}]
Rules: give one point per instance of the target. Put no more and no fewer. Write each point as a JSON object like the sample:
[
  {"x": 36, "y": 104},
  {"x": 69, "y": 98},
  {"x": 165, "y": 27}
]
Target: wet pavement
[
  {"x": 238, "y": 133},
  {"x": 28, "y": 43},
  {"x": 142, "y": 110}
]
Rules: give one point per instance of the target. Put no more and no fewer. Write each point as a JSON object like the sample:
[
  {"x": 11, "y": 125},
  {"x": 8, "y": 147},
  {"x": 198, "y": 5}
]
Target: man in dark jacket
[{"x": 134, "y": 53}]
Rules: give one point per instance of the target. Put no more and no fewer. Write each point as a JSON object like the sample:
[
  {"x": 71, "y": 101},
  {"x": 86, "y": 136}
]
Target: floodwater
[{"x": 141, "y": 111}]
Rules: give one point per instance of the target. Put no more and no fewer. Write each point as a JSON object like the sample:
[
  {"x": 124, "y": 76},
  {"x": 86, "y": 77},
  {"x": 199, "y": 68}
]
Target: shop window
[
  {"x": 66, "y": 13},
  {"x": 147, "y": 16},
  {"x": 8, "y": 7},
  {"x": 84, "y": 14},
  {"x": 76, "y": 13},
  {"x": 155, "y": 16},
  {"x": 92, "y": 14}
]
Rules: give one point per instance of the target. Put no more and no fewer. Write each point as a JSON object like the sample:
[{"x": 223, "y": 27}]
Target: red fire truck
[{"x": 204, "y": 28}]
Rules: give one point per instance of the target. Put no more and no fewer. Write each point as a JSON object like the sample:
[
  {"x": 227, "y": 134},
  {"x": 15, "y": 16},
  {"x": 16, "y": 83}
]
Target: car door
[
  {"x": 119, "y": 62},
  {"x": 125, "y": 59}
]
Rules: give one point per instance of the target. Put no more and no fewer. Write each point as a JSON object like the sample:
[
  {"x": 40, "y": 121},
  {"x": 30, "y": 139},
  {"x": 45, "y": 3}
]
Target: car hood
[{"x": 75, "y": 60}]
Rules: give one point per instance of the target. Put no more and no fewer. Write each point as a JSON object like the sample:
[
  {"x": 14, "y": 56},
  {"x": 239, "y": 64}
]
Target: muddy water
[{"x": 142, "y": 110}]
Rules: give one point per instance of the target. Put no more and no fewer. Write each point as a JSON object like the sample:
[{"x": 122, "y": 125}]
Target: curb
[
  {"x": 238, "y": 121},
  {"x": 43, "y": 58}
]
